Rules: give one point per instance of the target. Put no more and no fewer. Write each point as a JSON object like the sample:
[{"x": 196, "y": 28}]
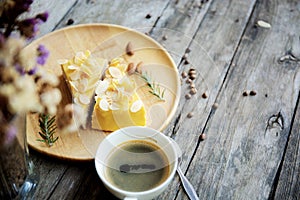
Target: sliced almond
[
  {"x": 104, "y": 105},
  {"x": 102, "y": 87},
  {"x": 115, "y": 72},
  {"x": 74, "y": 75},
  {"x": 84, "y": 99},
  {"x": 62, "y": 61},
  {"x": 73, "y": 67},
  {"x": 136, "y": 106},
  {"x": 263, "y": 24}
]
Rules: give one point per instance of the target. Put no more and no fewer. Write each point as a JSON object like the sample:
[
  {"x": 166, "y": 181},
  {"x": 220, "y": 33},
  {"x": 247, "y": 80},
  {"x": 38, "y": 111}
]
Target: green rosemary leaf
[
  {"x": 42, "y": 135},
  {"x": 51, "y": 121},
  {"x": 155, "y": 88},
  {"x": 55, "y": 139},
  {"x": 48, "y": 128}
]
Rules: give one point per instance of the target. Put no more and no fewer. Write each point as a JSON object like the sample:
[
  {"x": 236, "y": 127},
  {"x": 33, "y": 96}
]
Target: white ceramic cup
[{"x": 135, "y": 133}]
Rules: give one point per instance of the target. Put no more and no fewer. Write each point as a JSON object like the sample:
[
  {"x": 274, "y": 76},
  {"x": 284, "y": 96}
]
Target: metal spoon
[{"x": 188, "y": 187}]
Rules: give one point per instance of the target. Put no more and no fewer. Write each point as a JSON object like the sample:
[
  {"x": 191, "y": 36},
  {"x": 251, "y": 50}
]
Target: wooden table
[{"x": 251, "y": 150}]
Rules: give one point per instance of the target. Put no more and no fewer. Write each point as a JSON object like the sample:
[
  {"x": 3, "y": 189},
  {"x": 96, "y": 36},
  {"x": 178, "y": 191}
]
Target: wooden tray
[{"x": 106, "y": 41}]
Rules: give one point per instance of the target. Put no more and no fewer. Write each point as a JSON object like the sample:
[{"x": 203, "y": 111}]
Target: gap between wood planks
[
  {"x": 278, "y": 173},
  {"x": 63, "y": 17},
  {"x": 176, "y": 125}
]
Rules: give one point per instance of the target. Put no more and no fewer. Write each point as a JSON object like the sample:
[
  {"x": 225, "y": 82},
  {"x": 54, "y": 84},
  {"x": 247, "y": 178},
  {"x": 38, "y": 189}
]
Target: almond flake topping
[
  {"x": 136, "y": 106},
  {"x": 104, "y": 105},
  {"x": 84, "y": 99},
  {"x": 115, "y": 72}
]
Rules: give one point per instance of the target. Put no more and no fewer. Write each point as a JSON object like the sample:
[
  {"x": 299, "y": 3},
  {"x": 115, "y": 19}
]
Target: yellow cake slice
[
  {"x": 82, "y": 74},
  {"x": 117, "y": 103}
]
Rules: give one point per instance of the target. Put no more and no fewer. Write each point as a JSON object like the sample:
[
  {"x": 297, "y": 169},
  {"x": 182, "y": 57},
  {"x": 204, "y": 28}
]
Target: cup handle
[{"x": 130, "y": 198}]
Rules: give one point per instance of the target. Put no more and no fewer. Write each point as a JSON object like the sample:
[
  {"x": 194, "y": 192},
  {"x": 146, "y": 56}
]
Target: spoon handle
[{"x": 187, "y": 185}]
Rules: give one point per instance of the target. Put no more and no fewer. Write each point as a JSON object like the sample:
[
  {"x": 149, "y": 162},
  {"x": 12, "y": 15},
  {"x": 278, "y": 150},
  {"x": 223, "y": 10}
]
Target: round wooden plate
[{"x": 106, "y": 41}]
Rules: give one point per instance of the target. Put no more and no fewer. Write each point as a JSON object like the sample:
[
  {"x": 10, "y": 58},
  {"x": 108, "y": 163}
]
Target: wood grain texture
[
  {"x": 205, "y": 57},
  {"x": 126, "y": 13},
  {"x": 251, "y": 150},
  {"x": 288, "y": 183},
  {"x": 57, "y": 10},
  {"x": 247, "y": 135}
]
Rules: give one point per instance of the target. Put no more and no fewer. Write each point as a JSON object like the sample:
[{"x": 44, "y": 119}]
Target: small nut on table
[{"x": 129, "y": 49}]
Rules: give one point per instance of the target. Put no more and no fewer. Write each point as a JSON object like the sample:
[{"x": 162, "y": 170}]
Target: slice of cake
[
  {"x": 82, "y": 74},
  {"x": 117, "y": 103}
]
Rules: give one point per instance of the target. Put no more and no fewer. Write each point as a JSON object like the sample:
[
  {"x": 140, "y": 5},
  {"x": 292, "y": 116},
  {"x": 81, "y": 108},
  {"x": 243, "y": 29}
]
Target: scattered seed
[
  {"x": 148, "y": 16},
  {"x": 203, "y": 136},
  {"x": 186, "y": 62},
  {"x": 190, "y": 115},
  {"x": 192, "y": 70},
  {"x": 192, "y": 73},
  {"x": 193, "y": 91},
  {"x": 189, "y": 81},
  {"x": 263, "y": 24},
  {"x": 188, "y": 50},
  {"x": 193, "y": 76},
  {"x": 188, "y": 96},
  {"x": 131, "y": 68},
  {"x": 146, "y": 33},
  {"x": 204, "y": 95},
  {"x": 266, "y": 95},
  {"x": 245, "y": 93},
  {"x": 236, "y": 21},
  {"x": 129, "y": 49},
  {"x": 185, "y": 56},
  {"x": 165, "y": 37},
  {"x": 192, "y": 85},
  {"x": 215, "y": 106},
  {"x": 252, "y": 93},
  {"x": 183, "y": 74},
  {"x": 70, "y": 21},
  {"x": 139, "y": 66}
]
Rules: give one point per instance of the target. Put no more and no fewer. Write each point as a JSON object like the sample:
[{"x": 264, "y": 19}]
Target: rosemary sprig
[
  {"x": 155, "y": 88},
  {"x": 48, "y": 128}
]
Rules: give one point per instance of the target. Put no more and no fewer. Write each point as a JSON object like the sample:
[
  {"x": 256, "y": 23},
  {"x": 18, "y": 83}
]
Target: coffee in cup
[{"x": 136, "y": 162}]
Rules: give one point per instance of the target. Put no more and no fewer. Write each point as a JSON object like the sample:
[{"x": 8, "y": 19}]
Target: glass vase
[{"x": 18, "y": 180}]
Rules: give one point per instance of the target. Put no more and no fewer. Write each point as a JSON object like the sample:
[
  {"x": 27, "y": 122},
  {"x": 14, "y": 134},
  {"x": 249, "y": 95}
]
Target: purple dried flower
[
  {"x": 32, "y": 71},
  {"x": 20, "y": 69},
  {"x": 42, "y": 16},
  {"x": 29, "y": 27},
  {"x": 43, "y": 54}
]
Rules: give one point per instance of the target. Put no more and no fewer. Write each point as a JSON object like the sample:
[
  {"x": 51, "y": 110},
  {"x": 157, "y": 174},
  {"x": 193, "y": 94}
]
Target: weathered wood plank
[
  {"x": 212, "y": 49},
  {"x": 178, "y": 24},
  {"x": 49, "y": 171},
  {"x": 289, "y": 180},
  {"x": 66, "y": 179},
  {"x": 247, "y": 135},
  {"x": 126, "y": 13},
  {"x": 57, "y": 10}
]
